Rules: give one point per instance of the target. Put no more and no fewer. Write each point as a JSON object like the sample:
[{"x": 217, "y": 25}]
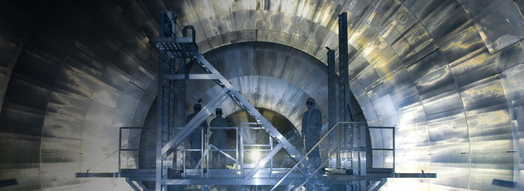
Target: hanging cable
[{"x": 87, "y": 171}]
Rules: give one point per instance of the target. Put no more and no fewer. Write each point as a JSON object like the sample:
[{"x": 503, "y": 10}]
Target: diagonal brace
[
  {"x": 243, "y": 103},
  {"x": 263, "y": 161},
  {"x": 182, "y": 135}
]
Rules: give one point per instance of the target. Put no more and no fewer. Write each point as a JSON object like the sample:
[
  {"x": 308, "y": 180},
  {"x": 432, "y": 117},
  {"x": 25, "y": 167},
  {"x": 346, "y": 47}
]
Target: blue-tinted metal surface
[{"x": 64, "y": 63}]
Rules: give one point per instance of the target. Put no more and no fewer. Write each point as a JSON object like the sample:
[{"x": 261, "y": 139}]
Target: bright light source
[{"x": 255, "y": 155}]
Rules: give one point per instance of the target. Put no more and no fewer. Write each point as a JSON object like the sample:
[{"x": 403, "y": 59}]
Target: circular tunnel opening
[
  {"x": 260, "y": 137},
  {"x": 283, "y": 125},
  {"x": 280, "y": 160}
]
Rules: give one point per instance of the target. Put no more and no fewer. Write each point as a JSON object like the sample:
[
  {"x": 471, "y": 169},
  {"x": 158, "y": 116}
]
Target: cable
[{"x": 87, "y": 171}]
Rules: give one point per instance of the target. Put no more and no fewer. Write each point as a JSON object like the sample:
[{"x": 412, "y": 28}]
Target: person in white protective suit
[
  {"x": 311, "y": 126},
  {"x": 219, "y": 139},
  {"x": 195, "y": 139}
]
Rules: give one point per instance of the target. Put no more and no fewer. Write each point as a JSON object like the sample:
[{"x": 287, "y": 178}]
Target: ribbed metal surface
[
  {"x": 83, "y": 72},
  {"x": 260, "y": 70},
  {"x": 500, "y": 23},
  {"x": 447, "y": 74}
]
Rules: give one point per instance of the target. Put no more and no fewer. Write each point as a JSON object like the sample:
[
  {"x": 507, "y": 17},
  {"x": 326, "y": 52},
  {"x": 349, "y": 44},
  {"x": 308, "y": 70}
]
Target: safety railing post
[{"x": 119, "y": 151}]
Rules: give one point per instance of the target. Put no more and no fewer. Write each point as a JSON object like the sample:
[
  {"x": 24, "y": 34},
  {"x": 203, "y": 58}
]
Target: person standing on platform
[
  {"x": 311, "y": 126},
  {"x": 219, "y": 139},
  {"x": 196, "y": 139}
]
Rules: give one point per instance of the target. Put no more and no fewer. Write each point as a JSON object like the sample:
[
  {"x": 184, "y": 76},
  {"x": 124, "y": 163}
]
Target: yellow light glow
[{"x": 255, "y": 155}]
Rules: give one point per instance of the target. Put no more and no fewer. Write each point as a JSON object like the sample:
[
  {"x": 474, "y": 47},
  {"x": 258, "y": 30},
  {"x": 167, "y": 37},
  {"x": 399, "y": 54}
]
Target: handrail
[
  {"x": 207, "y": 153},
  {"x": 312, "y": 148},
  {"x": 224, "y": 153},
  {"x": 314, "y": 172},
  {"x": 271, "y": 150},
  {"x": 120, "y": 145}
]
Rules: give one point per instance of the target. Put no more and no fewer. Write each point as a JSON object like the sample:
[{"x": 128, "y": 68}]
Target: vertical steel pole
[
  {"x": 181, "y": 99},
  {"x": 343, "y": 64},
  {"x": 237, "y": 143},
  {"x": 394, "y": 155},
  {"x": 241, "y": 150},
  {"x": 271, "y": 165},
  {"x": 159, "y": 99},
  {"x": 119, "y": 151},
  {"x": 343, "y": 72},
  {"x": 332, "y": 104},
  {"x": 160, "y": 105}
]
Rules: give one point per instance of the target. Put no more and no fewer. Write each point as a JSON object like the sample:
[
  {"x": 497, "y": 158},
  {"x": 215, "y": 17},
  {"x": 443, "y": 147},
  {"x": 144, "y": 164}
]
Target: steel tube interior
[{"x": 447, "y": 74}]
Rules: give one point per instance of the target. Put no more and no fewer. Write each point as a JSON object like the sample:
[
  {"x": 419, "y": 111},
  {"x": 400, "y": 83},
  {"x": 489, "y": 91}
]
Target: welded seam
[{"x": 467, "y": 126}]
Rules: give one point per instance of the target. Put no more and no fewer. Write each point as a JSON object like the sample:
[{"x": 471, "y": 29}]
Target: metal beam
[
  {"x": 182, "y": 135},
  {"x": 332, "y": 93},
  {"x": 96, "y": 175},
  {"x": 160, "y": 125},
  {"x": 372, "y": 184},
  {"x": 415, "y": 175},
  {"x": 229, "y": 181},
  {"x": 190, "y": 77},
  {"x": 504, "y": 183},
  {"x": 162, "y": 40},
  {"x": 263, "y": 161},
  {"x": 333, "y": 103},
  {"x": 311, "y": 150},
  {"x": 133, "y": 185},
  {"x": 379, "y": 185},
  {"x": 10, "y": 182},
  {"x": 343, "y": 65},
  {"x": 243, "y": 103}
]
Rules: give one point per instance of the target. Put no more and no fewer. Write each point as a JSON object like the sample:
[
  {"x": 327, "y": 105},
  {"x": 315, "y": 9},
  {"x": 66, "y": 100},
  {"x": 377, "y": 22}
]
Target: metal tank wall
[
  {"x": 75, "y": 73},
  {"x": 447, "y": 74},
  {"x": 262, "y": 71}
]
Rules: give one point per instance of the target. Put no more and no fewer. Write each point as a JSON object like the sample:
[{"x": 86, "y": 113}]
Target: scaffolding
[{"x": 344, "y": 165}]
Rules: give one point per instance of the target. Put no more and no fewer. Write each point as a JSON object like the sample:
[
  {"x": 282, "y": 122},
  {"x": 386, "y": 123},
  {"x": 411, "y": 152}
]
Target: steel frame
[
  {"x": 349, "y": 137},
  {"x": 186, "y": 48}
]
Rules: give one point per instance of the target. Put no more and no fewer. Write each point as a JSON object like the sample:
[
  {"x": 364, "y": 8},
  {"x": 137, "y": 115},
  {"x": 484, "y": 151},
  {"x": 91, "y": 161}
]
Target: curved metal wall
[
  {"x": 82, "y": 71},
  {"x": 447, "y": 74},
  {"x": 262, "y": 72}
]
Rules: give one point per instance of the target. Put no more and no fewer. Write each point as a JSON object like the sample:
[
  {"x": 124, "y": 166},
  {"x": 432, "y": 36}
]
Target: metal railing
[
  {"x": 388, "y": 160},
  {"x": 326, "y": 134},
  {"x": 222, "y": 151},
  {"x": 348, "y": 150},
  {"x": 261, "y": 148},
  {"x": 131, "y": 138}
]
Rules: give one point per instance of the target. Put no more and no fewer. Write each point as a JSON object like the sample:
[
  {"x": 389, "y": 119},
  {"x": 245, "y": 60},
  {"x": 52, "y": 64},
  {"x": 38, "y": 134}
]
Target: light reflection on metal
[{"x": 425, "y": 35}]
